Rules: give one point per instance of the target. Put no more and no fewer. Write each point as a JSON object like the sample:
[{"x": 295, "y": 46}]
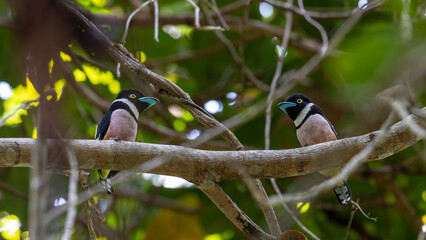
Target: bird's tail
[
  {"x": 343, "y": 194},
  {"x": 106, "y": 182},
  {"x": 106, "y": 185}
]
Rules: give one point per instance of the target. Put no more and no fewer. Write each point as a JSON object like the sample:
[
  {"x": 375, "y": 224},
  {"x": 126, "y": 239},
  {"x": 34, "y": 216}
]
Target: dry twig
[{"x": 72, "y": 195}]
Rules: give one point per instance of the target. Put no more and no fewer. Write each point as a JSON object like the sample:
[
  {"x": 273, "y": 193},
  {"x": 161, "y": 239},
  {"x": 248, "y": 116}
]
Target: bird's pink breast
[
  {"x": 122, "y": 125},
  {"x": 315, "y": 130}
]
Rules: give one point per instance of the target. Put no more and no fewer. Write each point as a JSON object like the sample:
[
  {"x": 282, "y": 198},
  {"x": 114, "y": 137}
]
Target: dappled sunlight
[
  {"x": 98, "y": 76},
  {"x": 266, "y": 10},
  {"x": 22, "y": 93},
  {"x": 193, "y": 134},
  {"x": 167, "y": 181},
  {"x": 59, "y": 202},
  {"x": 219, "y": 72},
  {"x": 213, "y": 106},
  {"x": 10, "y": 226},
  {"x": 5, "y": 90}
]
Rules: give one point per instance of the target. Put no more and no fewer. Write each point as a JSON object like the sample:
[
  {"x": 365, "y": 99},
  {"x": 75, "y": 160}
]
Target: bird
[
  {"x": 121, "y": 123},
  {"x": 312, "y": 127}
]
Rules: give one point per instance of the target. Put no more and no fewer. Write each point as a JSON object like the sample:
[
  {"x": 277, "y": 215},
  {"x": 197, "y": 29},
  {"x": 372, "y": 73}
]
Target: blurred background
[{"x": 226, "y": 72}]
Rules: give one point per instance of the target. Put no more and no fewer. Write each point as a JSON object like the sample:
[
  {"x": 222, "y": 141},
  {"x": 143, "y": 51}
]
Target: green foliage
[{"x": 345, "y": 85}]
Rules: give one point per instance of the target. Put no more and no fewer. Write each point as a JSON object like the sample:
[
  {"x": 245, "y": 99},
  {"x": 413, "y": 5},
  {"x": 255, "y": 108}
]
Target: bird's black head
[
  {"x": 294, "y": 104},
  {"x": 137, "y": 98}
]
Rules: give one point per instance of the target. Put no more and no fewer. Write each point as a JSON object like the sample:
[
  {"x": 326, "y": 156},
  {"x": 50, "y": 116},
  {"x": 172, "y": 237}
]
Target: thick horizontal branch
[{"x": 202, "y": 166}]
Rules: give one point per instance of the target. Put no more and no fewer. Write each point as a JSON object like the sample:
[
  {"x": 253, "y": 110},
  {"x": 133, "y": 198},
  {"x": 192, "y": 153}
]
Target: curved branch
[
  {"x": 121, "y": 55},
  {"x": 204, "y": 167}
]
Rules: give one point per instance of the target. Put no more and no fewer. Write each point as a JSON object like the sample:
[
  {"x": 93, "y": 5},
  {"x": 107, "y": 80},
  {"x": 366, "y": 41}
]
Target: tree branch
[
  {"x": 201, "y": 165},
  {"x": 233, "y": 213},
  {"x": 163, "y": 85}
]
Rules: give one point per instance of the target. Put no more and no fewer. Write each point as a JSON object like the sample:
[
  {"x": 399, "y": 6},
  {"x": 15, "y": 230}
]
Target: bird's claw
[{"x": 117, "y": 139}]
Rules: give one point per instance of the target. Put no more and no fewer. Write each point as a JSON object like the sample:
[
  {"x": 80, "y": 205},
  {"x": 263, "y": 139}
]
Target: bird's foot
[{"x": 117, "y": 139}]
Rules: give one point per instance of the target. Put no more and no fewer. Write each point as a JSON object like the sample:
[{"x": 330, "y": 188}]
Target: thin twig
[
  {"x": 72, "y": 195},
  {"x": 280, "y": 195},
  {"x": 126, "y": 29},
  {"x": 6, "y": 187},
  {"x": 196, "y": 13},
  {"x": 363, "y": 213},
  {"x": 348, "y": 228},
  {"x": 219, "y": 15},
  {"x": 38, "y": 194},
  {"x": 255, "y": 109},
  {"x": 117, "y": 71},
  {"x": 237, "y": 59},
  {"x": 258, "y": 193},
  {"x": 278, "y": 70},
  {"x": 317, "y": 14},
  {"x": 277, "y": 74},
  {"x": 316, "y": 25},
  {"x": 90, "y": 228},
  {"x": 156, "y": 15},
  {"x": 401, "y": 110}
]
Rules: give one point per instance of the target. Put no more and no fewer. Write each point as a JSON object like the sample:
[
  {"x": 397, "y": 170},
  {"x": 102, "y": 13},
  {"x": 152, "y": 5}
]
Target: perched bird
[
  {"x": 313, "y": 128},
  {"x": 121, "y": 123}
]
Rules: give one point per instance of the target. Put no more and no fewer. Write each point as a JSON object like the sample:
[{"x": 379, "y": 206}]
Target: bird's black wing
[
  {"x": 103, "y": 126},
  {"x": 332, "y": 128},
  {"x": 105, "y": 175}
]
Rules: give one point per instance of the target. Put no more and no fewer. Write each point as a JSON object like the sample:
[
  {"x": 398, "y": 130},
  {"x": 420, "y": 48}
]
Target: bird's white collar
[
  {"x": 131, "y": 105},
  {"x": 303, "y": 114}
]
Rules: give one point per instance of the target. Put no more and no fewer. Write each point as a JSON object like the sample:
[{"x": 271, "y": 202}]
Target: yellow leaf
[
  {"x": 25, "y": 235},
  {"x": 215, "y": 236},
  {"x": 59, "y": 85},
  {"x": 251, "y": 92},
  {"x": 185, "y": 30},
  {"x": 114, "y": 87},
  {"x": 92, "y": 73},
  {"x": 20, "y": 94},
  {"x": 98, "y": 3},
  {"x": 141, "y": 56},
  {"x": 79, "y": 75},
  {"x": 179, "y": 125},
  {"x": 65, "y": 57},
  {"x": 34, "y": 133},
  {"x": 171, "y": 77},
  {"x": 50, "y": 65},
  {"x": 187, "y": 116},
  {"x": 303, "y": 207},
  {"x": 97, "y": 76}
]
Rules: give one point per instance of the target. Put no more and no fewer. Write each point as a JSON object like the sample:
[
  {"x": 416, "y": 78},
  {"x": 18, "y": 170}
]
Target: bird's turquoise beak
[
  {"x": 149, "y": 100},
  {"x": 285, "y": 105}
]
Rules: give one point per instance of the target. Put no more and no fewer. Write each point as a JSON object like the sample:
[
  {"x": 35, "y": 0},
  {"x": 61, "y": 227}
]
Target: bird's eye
[
  {"x": 299, "y": 100},
  {"x": 132, "y": 95}
]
